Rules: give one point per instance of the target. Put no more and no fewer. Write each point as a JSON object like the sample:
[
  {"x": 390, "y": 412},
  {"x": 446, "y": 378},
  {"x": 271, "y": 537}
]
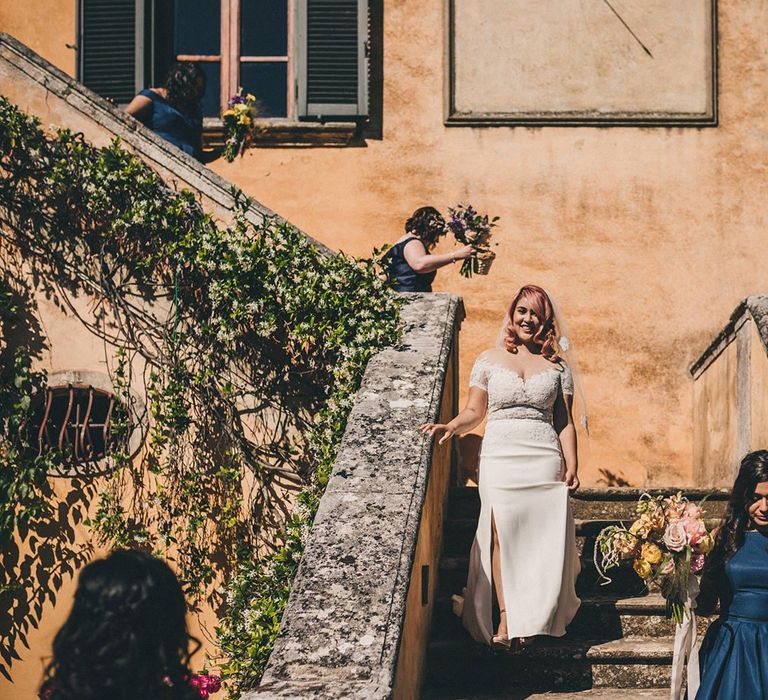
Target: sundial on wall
[{"x": 650, "y": 62}]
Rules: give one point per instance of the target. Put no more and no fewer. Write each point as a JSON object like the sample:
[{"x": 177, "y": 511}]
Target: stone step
[
  {"x": 522, "y": 694},
  {"x": 507, "y": 694},
  {"x": 599, "y": 504},
  {"x": 631, "y": 662},
  {"x": 460, "y": 532},
  {"x": 604, "y": 617},
  {"x": 624, "y": 581}
]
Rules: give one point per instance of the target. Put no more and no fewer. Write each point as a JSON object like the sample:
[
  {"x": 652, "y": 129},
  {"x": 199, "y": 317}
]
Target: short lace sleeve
[
  {"x": 566, "y": 380},
  {"x": 479, "y": 375}
]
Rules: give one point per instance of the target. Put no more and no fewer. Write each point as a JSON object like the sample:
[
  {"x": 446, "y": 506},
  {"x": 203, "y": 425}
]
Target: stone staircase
[{"x": 619, "y": 640}]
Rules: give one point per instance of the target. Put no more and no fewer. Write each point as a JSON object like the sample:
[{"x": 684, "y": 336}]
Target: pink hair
[{"x": 546, "y": 336}]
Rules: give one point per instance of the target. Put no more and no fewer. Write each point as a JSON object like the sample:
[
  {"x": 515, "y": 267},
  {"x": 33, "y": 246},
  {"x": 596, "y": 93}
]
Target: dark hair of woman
[
  {"x": 184, "y": 85},
  {"x": 126, "y": 636},
  {"x": 427, "y": 224},
  {"x": 730, "y": 536}
]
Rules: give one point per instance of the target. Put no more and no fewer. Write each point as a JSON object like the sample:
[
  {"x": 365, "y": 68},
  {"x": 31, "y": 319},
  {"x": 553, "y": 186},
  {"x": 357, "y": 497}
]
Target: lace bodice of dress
[{"x": 511, "y": 396}]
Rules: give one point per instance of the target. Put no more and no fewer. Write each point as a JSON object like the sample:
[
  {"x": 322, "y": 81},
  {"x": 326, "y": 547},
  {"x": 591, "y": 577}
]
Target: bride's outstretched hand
[
  {"x": 571, "y": 481},
  {"x": 438, "y": 430}
]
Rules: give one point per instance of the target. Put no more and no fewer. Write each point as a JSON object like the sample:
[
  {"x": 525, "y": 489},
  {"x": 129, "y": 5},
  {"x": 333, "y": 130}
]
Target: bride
[{"x": 524, "y": 553}]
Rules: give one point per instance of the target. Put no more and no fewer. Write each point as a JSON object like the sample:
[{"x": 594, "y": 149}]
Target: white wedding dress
[{"x": 520, "y": 484}]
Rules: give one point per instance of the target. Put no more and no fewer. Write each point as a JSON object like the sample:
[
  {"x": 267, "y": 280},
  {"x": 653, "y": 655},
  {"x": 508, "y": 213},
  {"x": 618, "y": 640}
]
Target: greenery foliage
[
  {"x": 32, "y": 511},
  {"x": 246, "y": 341}
]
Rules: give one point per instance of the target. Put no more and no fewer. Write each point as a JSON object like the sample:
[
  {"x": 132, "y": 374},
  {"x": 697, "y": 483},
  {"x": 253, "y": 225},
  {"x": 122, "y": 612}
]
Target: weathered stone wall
[
  {"x": 355, "y": 626},
  {"x": 730, "y": 395}
]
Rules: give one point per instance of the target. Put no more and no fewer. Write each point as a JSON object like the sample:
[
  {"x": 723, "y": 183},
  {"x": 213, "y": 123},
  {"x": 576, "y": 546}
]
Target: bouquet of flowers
[
  {"x": 667, "y": 543},
  {"x": 239, "y": 123},
  {"x": 470, "y": 228}
]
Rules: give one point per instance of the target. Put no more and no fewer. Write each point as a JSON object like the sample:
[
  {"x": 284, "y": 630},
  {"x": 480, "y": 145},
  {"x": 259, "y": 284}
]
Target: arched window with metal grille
[{"x": 76, "y": 420}]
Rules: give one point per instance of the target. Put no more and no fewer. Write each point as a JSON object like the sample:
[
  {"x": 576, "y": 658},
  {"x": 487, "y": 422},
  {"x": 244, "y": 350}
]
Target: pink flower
[
  {"x": 694, "y": 529},
  {"x": 697, "y": 563},
  {"x": 668, "y": 567},
  {"x": 206, "y": 685},
  {"x": 693, "y": 511},
  {"x": 675, "y": 537}
]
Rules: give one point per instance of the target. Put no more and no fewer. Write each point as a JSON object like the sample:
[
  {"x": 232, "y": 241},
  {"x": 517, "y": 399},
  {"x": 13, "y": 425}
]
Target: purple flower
[{"x": 697, "y": 563}]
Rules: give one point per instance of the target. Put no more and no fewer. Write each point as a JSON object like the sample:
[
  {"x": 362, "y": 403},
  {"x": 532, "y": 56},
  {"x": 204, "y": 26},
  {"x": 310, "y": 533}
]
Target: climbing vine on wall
[{"x": 246, "y": 342}]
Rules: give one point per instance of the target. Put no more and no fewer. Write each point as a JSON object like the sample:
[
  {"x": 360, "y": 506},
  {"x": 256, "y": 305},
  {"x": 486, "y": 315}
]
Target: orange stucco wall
[
  {"x": 647, "y": 237},
  {"x": 46, "y": 26}
]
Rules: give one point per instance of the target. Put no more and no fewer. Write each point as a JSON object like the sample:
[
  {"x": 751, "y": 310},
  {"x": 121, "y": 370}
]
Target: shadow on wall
[
  {"x": 610, "y": 479},
  {"x": 44, "y": 551}
]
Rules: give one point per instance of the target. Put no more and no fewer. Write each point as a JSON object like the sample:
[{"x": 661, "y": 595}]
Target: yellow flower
[
  {"x": 641, "y": 527},
  {"x": 250, "y": 98},
  {"x": 656, "y": 519},
  {"x": 642, "y": 568},
  {"x": 625, "y": 544},
  {"x": 705, "y": 544},
  {"x": 228, "y": 113},
  {"x": 650, "y": 553},
  {"x": 244, "y": 119}
]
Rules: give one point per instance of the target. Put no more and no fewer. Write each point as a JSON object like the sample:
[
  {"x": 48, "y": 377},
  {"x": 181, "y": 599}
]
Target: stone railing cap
[
  {"x": 756, "y": 307},
  {"x": 340, "y": 633}
]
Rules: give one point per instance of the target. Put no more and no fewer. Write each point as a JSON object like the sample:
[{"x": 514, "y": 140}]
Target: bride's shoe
[
  {"x": 502, "y": 641},
  {"x": 525, "y": 642}
]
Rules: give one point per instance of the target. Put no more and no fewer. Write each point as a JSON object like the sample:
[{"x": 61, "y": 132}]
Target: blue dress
[
  {"x": 404, "y": 277},
  {"x": 180, "y": 129},
  {"x": 734, "y": 653}
]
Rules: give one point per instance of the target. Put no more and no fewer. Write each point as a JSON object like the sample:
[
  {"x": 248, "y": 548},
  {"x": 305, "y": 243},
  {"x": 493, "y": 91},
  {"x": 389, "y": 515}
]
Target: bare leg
[{"x": 497, "y": 582}]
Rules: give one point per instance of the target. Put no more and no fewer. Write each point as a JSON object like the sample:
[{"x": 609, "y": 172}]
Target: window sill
[{"x": 277, "y": 133}]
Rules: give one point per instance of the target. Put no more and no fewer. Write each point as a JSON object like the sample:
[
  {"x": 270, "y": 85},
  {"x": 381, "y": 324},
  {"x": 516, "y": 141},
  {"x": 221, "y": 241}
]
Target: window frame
[
  {"x": 74, "y": 448},
  {"x": 230, "y": 56},
  {"x": 153, "y": 54}
]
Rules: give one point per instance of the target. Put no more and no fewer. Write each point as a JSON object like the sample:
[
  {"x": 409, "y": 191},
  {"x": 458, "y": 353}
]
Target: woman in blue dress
[
  {"x": 412, "y": 267},
  {"x": 174, "y": 111},
  {"x": 734, "y": 653}
]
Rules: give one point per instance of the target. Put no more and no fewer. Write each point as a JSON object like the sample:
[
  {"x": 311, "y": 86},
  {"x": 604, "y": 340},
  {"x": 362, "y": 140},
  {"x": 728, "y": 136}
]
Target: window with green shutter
[
  {"x": 302, "y": 59},
  {"x": 111, "y": 50},
  {"x": 333, "y": 50}
]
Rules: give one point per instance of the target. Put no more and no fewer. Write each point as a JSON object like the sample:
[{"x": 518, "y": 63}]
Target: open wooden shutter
[
  {"x": 111, "y": 47},
  {"x": 332, "y": 67}
]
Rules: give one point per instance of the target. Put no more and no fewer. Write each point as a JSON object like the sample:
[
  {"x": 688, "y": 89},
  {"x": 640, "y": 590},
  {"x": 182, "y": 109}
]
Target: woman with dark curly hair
[
  {"x": 174, "y": 111},
  {"x": 126, "y": 637},
  {"x": 411, "y": 265},
  {"x": 734, "y": 651}
]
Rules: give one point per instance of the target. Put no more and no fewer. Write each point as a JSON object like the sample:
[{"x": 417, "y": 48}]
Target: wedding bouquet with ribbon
[
  {"x": 239, "y": 123},
  {"x": 666, "y": 543},
  {"x": 470, "y": 228}
]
